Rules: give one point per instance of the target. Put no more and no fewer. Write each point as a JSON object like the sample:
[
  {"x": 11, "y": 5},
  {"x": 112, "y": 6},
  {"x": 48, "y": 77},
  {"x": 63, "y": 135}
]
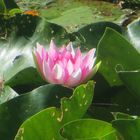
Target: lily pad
[
  {"x": 14, "y": 112},
  {"x": 83, "y": 13},
  {"x": 48, "y": 122},
  {"x": 116, "y": 52}
]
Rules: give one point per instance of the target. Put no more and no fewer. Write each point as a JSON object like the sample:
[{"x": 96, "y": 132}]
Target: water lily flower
[{"x": 66, "y": 66}]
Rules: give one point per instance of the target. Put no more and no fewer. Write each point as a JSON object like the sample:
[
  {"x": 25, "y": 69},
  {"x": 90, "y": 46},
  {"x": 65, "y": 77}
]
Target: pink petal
[
  {"x": 91, "y": 72},
  {"x": 39, "y": 63},
  {"x": 62, "y": 49},
  {"x": 47, "y": 72},
  {"x": 70, "y": 67},
  {"x": 89, "y": 57},
  {"x": 78, "y": 59},
  {"x": 87, "y": 70},
  {"x": 53, "y": 52},
  {"x": 41, "y": 51},
  {"x": 39, "y": 48},
  {"x": 84, "y": 73},
  {"x": 38, "y": 60},
  {"x": 71, "y": 49},
  {"x": 67, "y": 55},
  {"x": 57, "y": 74},
  {"x": 51, "y": 62},
  {"x": 64, "y": 62},
  {"x": 74, "y": 78},
  {"x": 91, "y": 64}
]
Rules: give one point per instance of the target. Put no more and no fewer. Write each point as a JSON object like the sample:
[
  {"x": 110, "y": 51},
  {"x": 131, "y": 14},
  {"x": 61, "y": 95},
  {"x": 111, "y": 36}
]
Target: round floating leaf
[
  {"x": 14, "y": 112},
  {"x": 61, "y": 12}
]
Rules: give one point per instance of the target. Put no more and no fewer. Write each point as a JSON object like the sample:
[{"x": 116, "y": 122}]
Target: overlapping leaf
[
  {"x": 48, "y": 122},
  {"x": 116, "y": 52},
  {"x": 97, "y": 130},
  {"x": 14, "y": 112},
  {"x": 128, "y": 128}
]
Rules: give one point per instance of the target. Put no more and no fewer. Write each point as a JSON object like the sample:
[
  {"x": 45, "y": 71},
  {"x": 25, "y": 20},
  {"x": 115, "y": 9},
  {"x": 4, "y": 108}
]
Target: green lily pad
[
  {"x": 90, "y": 35},
  {"x": 14, "y": 112},
  {"x": 48, "y": 122},
  {"x": 83, "y": 13},
  {"x": 116, "y": 52}
]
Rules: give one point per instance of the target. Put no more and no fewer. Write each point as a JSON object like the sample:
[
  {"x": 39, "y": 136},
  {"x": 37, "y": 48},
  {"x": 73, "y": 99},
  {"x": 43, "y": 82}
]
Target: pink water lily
[{"x": 65, "y": 65}]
